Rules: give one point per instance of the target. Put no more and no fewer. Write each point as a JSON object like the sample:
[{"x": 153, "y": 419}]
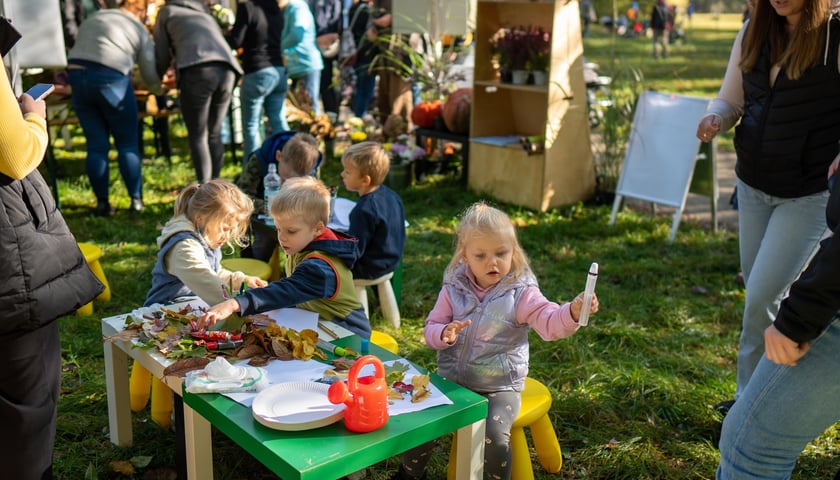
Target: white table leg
[
  {"x": 469, "y": 451},
  {"x": 119, "y": 403},
  {"x": 199, "y": 445}
]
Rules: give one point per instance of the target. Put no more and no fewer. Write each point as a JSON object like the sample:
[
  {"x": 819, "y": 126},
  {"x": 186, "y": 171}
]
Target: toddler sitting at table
[
  {"x": 296, "y": 155},
  {"x": 377, "y": 221},
  {"x": 207, "y": 216},
  {"x": 318, "y": 262}
]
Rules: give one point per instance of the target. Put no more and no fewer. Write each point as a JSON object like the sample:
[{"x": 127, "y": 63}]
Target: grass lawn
[{"x": 632, "y": 392}]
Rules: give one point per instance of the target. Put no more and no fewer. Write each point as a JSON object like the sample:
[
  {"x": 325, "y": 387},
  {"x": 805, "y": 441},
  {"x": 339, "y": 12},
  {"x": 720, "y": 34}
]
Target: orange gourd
[
  {"x": 424, "y": 113},
  {"x": 456, "y": 110}
]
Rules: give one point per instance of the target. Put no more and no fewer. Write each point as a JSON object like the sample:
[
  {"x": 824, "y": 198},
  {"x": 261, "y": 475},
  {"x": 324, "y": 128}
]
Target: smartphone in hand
[{"x": 39, "y": 91}]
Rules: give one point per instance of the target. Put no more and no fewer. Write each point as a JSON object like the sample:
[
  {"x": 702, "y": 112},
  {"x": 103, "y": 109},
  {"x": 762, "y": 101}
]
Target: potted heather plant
[
  {"x": 539, "y": 54},
  {"x": 511, "y": 45}
]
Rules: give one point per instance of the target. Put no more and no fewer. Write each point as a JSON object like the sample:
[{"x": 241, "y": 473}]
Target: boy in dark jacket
[{"x": 318, "y": 263}]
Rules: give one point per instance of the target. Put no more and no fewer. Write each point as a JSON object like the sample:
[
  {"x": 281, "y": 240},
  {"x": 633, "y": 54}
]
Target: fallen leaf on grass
[{"x": 123, "y": 467}]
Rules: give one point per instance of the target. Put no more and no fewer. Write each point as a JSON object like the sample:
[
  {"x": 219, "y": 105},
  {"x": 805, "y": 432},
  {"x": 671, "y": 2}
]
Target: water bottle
[{"x": 271, "y": 185}]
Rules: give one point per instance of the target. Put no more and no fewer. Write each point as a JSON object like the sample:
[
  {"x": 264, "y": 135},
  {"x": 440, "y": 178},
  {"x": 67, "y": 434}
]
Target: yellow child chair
[
  {"x": 140, "y": 382},
  {"x": 536, "y": 400},
  {"x": 248, "y": 266},
  {"x": 92, "y": 255}
]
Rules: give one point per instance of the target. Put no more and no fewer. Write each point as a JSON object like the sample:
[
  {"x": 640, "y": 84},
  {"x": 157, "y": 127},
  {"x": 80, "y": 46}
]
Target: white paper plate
[{"x": 296, "y": 406}]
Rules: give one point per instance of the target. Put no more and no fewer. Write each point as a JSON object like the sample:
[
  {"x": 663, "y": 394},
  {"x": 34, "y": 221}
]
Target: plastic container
[
  {"x": 366, "y": 398},
  {"x": 271, "y": 185}
]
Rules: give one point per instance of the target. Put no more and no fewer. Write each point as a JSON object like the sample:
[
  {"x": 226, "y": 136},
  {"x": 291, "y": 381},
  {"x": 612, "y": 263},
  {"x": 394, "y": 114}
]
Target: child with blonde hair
[
  {"x": 377, "y": 221},
  {"x": 489, "y": 302},
  {"x": 207, "y": 216},
  {"x": 318, "y": 262},
  {"x": 296, "y": 155}
]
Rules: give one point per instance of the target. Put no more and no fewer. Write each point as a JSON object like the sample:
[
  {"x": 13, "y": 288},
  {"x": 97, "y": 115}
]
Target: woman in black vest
[
  {"x": 43, "y": 276},
  {"x": 783, "y": 84}
]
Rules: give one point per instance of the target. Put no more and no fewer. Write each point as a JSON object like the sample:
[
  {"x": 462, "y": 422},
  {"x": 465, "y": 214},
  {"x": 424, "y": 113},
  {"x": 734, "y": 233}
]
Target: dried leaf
[
  {"x": 259, "y": 361},
  {"x": 122, "y": 467},
  {"x": 123, "y": 336},
  {"x": 181, "y": 367}
]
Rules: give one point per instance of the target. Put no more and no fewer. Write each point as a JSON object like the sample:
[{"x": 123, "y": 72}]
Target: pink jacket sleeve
[
  {"x": 439, "y": 317},
  {"x": 549, "y": 319}
]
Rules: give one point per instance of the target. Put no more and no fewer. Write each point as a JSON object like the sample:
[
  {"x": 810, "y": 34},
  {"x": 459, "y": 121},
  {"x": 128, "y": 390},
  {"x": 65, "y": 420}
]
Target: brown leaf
[
  {"x": 181, "y": 367},
  {"x": 259, "y": 361},
  {"x": 122, "y": 467}
]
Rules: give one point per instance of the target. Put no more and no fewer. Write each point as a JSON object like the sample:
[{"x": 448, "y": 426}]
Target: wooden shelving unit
[{"x": 563, "y": 173}]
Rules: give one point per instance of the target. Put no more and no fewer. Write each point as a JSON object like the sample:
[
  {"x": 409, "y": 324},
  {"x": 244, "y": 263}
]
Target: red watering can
[{"x": 366, "y": 397}]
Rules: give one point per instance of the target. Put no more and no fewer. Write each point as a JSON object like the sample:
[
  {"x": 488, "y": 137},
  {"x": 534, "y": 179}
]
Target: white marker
[{"x": 591, "y": 278}]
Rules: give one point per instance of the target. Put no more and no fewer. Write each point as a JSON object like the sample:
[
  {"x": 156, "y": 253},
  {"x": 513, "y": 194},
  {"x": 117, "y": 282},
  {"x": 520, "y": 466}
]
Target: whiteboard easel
[
  {"x": 42, "y": 41},
  {"x": 662, "y": 153}
]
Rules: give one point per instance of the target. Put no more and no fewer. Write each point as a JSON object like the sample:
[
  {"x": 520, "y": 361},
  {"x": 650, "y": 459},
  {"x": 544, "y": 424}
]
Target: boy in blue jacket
[{"x": 318, "y": 263}]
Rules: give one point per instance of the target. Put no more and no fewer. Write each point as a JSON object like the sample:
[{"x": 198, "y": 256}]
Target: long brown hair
[{"x": 795, "y": 51}]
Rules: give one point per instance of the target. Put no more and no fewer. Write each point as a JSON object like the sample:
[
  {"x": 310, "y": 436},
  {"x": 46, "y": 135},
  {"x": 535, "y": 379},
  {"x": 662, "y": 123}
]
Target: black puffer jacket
[
  {"x": 43, "y": 274},
  {"x": 788, "y": 134}
]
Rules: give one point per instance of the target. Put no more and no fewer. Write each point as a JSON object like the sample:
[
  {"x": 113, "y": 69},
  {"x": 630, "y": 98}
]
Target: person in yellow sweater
[{"x": 43, "y": 275}]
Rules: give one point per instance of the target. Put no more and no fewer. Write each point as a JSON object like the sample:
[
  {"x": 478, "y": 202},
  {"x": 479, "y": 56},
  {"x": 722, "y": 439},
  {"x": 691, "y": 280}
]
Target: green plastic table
[
  {"x": 317, "y": 454},
  {"x": 333, "y": 451}
]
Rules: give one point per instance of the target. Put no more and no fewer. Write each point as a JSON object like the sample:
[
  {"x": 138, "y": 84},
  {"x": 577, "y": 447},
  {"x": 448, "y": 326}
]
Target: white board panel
[
  {"x": 662, "y": 148},
  {"x": 42, "y": 41},
  {"x": 435, "y": 17}
]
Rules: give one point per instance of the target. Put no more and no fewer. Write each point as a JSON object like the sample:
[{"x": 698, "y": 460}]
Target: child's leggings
[{"x": 502, "y": 410}]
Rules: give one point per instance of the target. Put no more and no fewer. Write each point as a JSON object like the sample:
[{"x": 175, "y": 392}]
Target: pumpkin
[
  {"x": 424, "y": 113},
  {"x": 456, "y": 110}
]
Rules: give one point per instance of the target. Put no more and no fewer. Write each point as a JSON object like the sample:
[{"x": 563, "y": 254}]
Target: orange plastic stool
[{"x": 536, "y": 400}]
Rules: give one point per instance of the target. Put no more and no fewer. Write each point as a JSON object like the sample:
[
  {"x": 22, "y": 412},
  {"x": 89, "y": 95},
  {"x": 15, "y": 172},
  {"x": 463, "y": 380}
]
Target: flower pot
[
  {"x": 540, "y": 77},
  {"x": 519, "y": 77},
  {"x": 399, "y": 176},
  {"x": 505, "y": 75}
]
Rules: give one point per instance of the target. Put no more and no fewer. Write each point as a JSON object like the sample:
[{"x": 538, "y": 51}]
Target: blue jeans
[
  {"x": 312, "y": 84},
  {"x": 363, "y": 94},
  {"x": 104, "y": 102},
  {"x": 777, "y": 238},
  {"x": 264, "y": 88},
  {"x": 781, "y": 410}
]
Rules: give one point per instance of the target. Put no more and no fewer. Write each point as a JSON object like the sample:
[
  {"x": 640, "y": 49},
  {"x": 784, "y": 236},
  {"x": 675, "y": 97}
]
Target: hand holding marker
[{"x": 591, "y": 278}]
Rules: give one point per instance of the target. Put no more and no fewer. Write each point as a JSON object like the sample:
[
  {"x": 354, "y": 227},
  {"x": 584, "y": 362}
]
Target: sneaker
[
  {"x": 724, "y": 407},
  {"x": 136, "y": 204},
  {"x": 103, "y": 209}
]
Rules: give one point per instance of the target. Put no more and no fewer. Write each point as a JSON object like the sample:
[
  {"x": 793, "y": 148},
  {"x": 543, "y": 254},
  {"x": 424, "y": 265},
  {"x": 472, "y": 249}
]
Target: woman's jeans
[
  {"x": 265, "y": 88},
  {"x": 363, "y": 94},
  {"x": 206, "y": 90},
  {"x": 104, "y": 102},
  {"x": 780, "y": 411},
  {"x": 311, "y": 82},
  {"x": 777, "y": 237}
]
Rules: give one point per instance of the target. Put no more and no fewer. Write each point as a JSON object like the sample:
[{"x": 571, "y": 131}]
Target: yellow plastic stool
[
  {"x": 92, "y": 255},
  {"x": 536, "y": 400},
  {"x": 248, "y": 266},
  {"x": 385, "y": 341},
  {"x": 387, "y": 299},
  {"x": 142, "y": 384}
]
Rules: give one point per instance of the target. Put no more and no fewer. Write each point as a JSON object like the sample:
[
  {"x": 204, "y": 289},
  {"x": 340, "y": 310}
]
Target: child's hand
[
  {"x": 218, "y": 312},
  {"x": 451, "y": 331},
  {"x": 255, "y": 282},
  {"x": 577, "y": 304}
]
